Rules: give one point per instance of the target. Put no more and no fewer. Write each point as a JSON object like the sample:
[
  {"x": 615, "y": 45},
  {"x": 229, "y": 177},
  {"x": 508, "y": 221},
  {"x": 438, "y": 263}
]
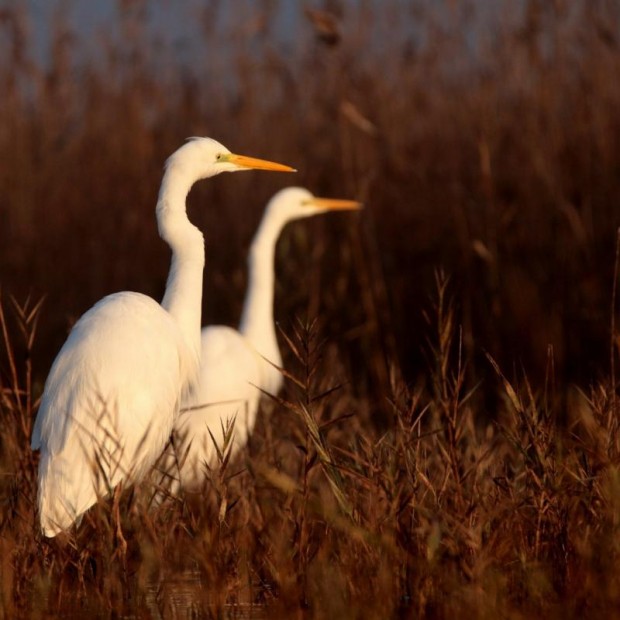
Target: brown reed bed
[
  {"x": 441, "y": 515},
  {"x": 468, "y": 461}
]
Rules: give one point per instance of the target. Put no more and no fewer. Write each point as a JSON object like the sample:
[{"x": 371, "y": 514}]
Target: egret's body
[
  {"x": 115, "y": 387},
  {"x": 238, "y": 366}
]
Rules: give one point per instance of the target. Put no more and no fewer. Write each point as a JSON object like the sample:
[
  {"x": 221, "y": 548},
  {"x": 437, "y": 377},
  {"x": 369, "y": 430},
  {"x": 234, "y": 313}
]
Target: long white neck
[
  {"x": 183, "y": 296},
  {"x": 257, "y": 323}
]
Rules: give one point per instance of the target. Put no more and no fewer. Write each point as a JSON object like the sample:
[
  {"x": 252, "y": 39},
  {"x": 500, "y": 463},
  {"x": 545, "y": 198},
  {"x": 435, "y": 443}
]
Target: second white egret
[{"x": 237, "y": 364}]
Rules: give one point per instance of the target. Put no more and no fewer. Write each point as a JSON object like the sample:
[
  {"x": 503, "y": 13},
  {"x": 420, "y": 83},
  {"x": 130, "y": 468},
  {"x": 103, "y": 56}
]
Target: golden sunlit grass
[{"x": 443, "y": 447}]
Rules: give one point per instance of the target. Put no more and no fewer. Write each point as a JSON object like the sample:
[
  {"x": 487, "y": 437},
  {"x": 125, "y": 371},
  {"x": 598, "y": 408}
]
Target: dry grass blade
[
  {"x": 278, "y": 479},
  {"x": 285, "y": 373},
  {"x": 10, "y": 354},
  {"x": 28, "y": 318},
  {"x": 327, "y": 463},
  {"x": 512, "y": 395},
  {"x": 291, "y": 345}
]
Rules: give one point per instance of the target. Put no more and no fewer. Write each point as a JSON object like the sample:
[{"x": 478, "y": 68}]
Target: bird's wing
[
  {"x": 125, "y": 355},
  {"x": 109, "y": 400}
]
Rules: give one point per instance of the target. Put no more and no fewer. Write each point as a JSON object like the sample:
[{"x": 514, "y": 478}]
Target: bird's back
[{"x": 103, "y": 417}]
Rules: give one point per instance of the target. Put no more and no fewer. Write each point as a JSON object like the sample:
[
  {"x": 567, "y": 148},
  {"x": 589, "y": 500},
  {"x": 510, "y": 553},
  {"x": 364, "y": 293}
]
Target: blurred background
[{"x": 483, "y": 137}]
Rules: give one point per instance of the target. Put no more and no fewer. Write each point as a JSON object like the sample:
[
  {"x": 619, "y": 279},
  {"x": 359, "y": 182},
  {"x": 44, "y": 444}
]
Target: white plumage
[
  {"x": 115, "y": 387},
  {"x": 235, "y": 364}
]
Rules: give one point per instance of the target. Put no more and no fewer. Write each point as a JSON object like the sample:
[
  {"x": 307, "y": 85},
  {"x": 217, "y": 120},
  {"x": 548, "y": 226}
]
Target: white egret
[
  {"x": 115, "y": 387},
  {"x": 236, "y": 365}
]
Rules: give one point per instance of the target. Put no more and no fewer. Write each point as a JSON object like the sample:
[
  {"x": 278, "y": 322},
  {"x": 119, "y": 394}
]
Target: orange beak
[
  {"x": 256, "y": 164},
  {"x": 335, "y": 204}
]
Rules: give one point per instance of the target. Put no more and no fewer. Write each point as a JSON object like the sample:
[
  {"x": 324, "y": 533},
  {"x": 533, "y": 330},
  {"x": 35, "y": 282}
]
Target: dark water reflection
[{"x": 186, "y": 595}]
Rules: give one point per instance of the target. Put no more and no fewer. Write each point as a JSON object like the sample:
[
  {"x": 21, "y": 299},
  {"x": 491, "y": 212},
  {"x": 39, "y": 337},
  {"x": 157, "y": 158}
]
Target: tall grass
[
  {"x": 444, "y": 447},
  {"x": 441, "y": 515}
]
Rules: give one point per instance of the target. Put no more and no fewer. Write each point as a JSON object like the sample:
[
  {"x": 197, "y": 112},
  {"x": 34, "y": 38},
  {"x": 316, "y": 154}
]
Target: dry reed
[{"x": 442, "y": 458}]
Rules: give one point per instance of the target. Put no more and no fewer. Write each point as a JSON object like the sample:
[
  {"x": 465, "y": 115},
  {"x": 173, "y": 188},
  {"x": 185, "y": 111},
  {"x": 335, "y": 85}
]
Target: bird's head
[
  {"x": 200, "y": 158},
  {"x": 296, "y": 202}
]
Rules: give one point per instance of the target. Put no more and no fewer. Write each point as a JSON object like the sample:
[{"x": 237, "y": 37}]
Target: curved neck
[
  {"x": 183, "y": 296},
  {"x": 257, "y": 323}
]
